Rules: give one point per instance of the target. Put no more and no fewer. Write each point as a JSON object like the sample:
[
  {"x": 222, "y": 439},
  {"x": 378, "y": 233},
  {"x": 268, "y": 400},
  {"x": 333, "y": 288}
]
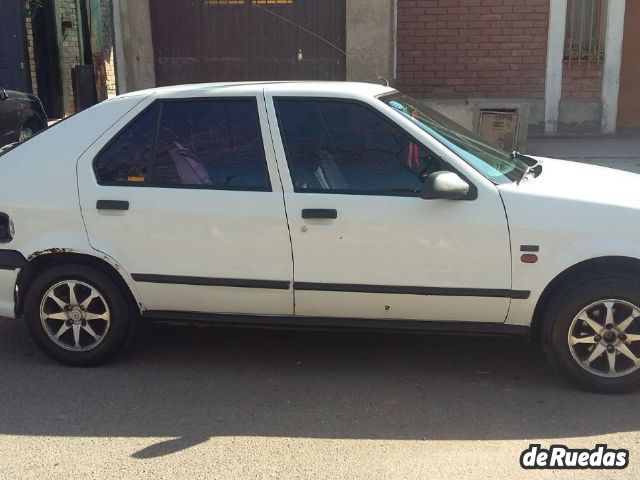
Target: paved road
[
  {"x": 217, "y": 403},
  {"x": 221, "y": 403},
  {"x": 622, "y": 151}
]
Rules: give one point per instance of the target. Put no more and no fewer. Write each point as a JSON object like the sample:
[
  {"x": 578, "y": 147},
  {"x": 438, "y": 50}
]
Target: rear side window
[
  {"x": 128, "y": 157},
  {"x": 209, "y": 143}
]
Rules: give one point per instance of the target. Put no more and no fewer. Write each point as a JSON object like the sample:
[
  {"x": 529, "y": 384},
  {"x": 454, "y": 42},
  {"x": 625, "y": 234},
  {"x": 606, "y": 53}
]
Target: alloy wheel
[
  {"x": 604, "y": 338},
  {"x": 75, "y": 315}
]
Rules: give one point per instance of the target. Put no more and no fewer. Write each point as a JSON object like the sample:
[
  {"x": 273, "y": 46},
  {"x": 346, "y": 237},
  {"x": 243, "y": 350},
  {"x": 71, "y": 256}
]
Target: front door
[
  {"x": 183, "y": 198},
  {"x": 365, "y": 244}
]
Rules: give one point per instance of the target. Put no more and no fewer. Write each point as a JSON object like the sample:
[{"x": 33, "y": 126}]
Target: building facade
[
  {"x": 45, "y": 43},
  {"x": 557, "y": 61},
  {"x": 563, "y": 66}
]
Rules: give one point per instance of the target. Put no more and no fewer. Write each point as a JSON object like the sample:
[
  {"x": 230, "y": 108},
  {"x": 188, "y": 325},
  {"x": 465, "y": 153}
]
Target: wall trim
[
  {"x": 555, "y": 59},
  {"x": 612, "y": 63}
]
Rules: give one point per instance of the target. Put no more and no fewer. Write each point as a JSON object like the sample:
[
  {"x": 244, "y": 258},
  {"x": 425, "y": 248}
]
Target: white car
[{"x": 314, "y": 204}]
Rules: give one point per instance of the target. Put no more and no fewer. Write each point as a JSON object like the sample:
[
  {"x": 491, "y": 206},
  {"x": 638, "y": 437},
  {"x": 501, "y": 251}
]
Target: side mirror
[
  {"x": 444, "y": 185},
  {"x": 3, "y": 94}
]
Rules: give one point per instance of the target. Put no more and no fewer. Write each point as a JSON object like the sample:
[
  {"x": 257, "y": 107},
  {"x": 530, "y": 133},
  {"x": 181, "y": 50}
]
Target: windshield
[{"x": 495, "y": 164}]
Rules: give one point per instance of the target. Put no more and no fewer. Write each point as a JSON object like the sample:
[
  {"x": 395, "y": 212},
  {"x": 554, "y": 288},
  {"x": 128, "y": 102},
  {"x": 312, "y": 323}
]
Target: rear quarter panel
[{"x": 38, "y": 183}]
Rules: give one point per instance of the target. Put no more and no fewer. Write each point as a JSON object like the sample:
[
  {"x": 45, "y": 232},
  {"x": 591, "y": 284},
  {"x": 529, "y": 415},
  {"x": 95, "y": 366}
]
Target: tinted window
[
  {"x": 211, "y": 143},
  {"x": 127, "y": 158},
  {"x": 334, "y": 145}
]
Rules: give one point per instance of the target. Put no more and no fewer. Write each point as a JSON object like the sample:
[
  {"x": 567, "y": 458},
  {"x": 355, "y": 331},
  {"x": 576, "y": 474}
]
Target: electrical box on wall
[{"x": 499, "y": 127}]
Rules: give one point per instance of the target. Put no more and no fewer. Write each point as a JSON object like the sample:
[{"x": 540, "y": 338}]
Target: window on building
[
  {"x": 585, "y": 31},
  {"x": 127, "y": 158},
  {"x": 340, "y": 146},
  {"x": 223, "y": 3},
  {"x": 219, "y": 3}
]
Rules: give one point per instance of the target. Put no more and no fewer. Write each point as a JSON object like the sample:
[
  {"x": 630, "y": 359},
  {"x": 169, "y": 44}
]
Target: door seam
[
  {"x": 284, "y": 201},
  {"x": 506, "y": 216}
]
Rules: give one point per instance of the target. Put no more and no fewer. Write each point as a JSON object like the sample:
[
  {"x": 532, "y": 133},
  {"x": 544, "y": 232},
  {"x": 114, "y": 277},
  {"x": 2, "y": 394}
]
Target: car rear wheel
[
  {"x": 77, "y": 315},
  {"x": 25, "y": 134},
  {"x": 591, "y": 333}
]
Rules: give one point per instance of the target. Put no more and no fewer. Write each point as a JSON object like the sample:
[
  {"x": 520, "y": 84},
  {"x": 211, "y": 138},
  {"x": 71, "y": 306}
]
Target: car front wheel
[
  {"x": 77, "y": 315},
  {"x": 591, "y": 333}
]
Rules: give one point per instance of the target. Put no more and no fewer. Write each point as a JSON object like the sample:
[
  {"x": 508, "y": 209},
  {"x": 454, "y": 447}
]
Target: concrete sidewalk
[{"x": 621, "y": 151}]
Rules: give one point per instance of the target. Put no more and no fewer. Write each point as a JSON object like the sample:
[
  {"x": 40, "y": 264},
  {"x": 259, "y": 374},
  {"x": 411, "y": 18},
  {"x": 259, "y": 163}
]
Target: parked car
[
  {"x": 312, "y": 204},
  {"x": 21, "y": 116}
]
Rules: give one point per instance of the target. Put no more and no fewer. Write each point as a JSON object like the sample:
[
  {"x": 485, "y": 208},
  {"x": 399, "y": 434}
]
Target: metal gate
[
  {"x": 238, "y": 40},
  {"x": 13, "y": 73}
]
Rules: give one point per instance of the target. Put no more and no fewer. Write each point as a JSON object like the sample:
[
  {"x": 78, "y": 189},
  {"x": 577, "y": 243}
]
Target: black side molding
[
  {"x": 11, "y": 260},
  {"x": 319, "y": 213},
  {"x": 211, "y": 282},
  {"x": 408, "y": 290},
  {"x": 112, "y": 205},
  {"x": 324, "y": 323}
]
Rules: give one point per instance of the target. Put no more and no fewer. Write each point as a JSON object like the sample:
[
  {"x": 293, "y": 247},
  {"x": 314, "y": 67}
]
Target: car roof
[{"x": 204, "y": 89}]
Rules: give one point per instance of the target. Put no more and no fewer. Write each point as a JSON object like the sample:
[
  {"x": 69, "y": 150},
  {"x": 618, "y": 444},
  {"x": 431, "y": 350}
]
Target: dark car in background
[{"x": 21, "y": 116}]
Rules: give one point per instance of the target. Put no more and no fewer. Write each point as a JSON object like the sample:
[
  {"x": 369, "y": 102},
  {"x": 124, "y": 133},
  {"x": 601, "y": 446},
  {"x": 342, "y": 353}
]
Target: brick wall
[
  {"x": 71, "y": 52},
  {"x": 472, "y": 48},
  {"x": 108, "y": 48},
  {"x": 31, "y": 56},
  {"x": 581, "y": 81},
  {"x": 70, "y": 56}
]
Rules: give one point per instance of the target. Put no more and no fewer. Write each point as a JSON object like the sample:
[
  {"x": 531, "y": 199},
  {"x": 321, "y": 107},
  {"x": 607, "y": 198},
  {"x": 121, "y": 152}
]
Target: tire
[
  {"x": 58, "y": 324},
  {"x": 26, "y": 132},
  {"x": 584, "y": 350}
]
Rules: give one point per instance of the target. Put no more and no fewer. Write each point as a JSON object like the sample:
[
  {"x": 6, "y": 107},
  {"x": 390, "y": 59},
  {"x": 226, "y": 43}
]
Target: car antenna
[
  {"x": 300, "y": 27},
  {"x": 384, "y": 81}
]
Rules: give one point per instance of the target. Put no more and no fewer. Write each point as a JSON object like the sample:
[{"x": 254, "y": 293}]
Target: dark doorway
[
  {"x": 236, "y": 40},
  {"x": 13, "y": 68},
  {"x": 47, "y": 58}
]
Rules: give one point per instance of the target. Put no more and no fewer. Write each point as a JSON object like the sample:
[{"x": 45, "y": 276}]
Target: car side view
[
  {"x": 21, "y": 116},
  {"x": 314, "y": 204}
]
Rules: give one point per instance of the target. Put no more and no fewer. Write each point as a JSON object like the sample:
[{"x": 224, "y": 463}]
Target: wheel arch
[
  {"x": 38, "y": 263},
  {"x": 586, "y": 268}
]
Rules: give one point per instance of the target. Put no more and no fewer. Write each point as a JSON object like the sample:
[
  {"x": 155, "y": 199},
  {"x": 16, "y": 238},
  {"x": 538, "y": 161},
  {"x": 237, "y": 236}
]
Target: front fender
[{"x": 553, "y": 262}]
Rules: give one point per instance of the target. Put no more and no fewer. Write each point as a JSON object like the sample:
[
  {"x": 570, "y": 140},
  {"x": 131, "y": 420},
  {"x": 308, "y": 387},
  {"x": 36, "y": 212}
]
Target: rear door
[{"x": 186, "y": 197}]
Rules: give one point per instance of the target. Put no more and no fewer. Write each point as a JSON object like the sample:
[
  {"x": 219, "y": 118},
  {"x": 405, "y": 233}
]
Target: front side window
[
  {"x": 210, "y": 143},
  {"x": 341, "y": 146}
]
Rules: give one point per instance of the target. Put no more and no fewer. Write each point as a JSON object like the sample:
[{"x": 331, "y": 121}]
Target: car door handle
[
  {"x": 319, "y": 213},
  {"x": 112, "y": 205}
]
